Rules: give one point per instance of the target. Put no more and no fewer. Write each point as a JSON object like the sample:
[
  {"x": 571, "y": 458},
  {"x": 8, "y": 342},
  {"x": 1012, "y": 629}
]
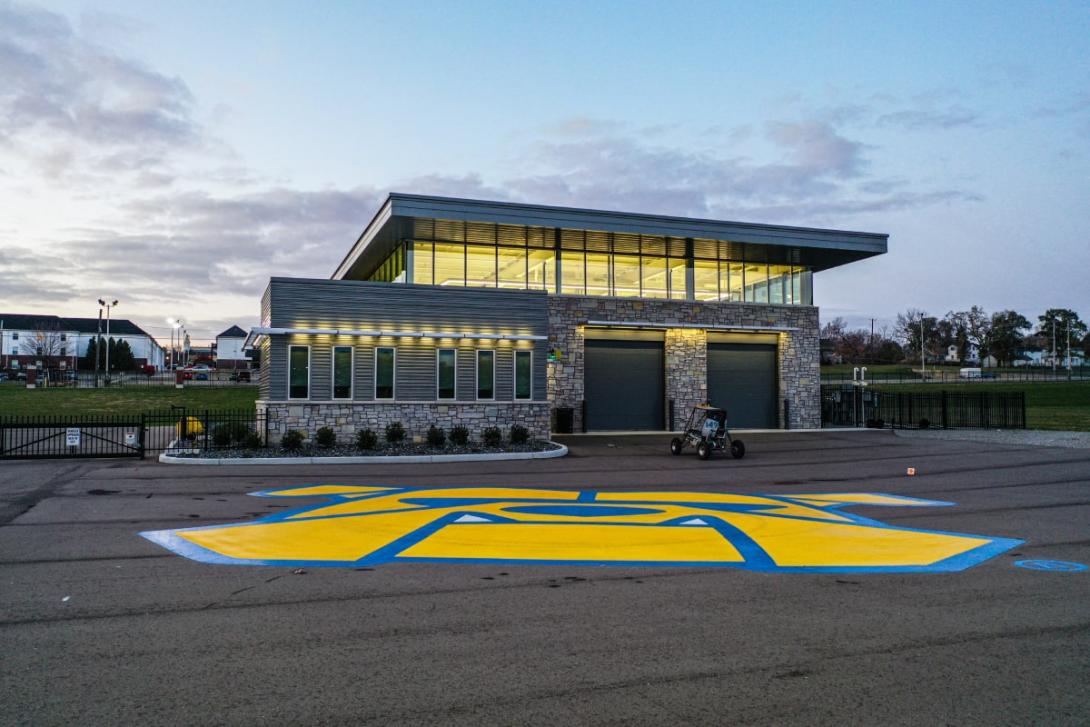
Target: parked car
[
  {"x": 241, "y": 377},
  {"x": 3, "y": 377}
]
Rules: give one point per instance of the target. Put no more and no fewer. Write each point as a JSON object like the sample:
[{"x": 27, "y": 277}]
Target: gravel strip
[{"x": 1033, "y": 437}]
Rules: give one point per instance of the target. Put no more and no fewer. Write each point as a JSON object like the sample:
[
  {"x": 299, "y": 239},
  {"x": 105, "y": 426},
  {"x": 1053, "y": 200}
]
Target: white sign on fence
[
  {"x": 130, "y": 439},
  {"x": 71, "y": 436}
]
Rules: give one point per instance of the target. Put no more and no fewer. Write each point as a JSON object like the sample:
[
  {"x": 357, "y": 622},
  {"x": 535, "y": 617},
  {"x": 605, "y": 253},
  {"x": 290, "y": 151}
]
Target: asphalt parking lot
[{"x": 99, "y": 625}]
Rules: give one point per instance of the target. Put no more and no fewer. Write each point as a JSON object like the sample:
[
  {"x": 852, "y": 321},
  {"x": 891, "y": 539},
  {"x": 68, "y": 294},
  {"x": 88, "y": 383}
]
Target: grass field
[
  {"x": 1061, "y": 406},
  {"x": 17, "y": 399}
]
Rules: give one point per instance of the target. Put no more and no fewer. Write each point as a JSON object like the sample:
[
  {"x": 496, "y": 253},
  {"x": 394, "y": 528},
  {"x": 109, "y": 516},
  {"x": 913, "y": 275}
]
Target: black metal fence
[
  {"x": 954, "y": 376},
  {"x": 178, "y": 429},
  {"x": 857, "y": 406}
]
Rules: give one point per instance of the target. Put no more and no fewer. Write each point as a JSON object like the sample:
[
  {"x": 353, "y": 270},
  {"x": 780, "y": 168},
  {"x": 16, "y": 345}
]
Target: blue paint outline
[
  {"x": 1031, "y": 564},
  {"x": 755, "y": 558}
]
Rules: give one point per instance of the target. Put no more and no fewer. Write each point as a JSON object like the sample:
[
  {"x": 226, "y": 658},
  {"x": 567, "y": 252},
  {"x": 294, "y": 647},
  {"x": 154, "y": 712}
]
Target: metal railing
[
  {"x": 857, "y": 406},
  {"x": 954, "y": 376},
  {"x": 131, "y": 435}
]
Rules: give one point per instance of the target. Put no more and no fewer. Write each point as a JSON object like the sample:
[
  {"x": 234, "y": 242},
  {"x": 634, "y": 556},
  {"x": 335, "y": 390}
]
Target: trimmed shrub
[
  {"x": 395, "y": 433},
  {"x": 325, "y": 438},
  {"x": 459, "y": 436},
  {"x": 366, "y": 439},
  {"x": 519, "y": 434},
  {"x": 252, "y": 440},
  {"x": 292, "y": 440},
  {"x": 492, "y": 436},
  {"x": 230, "y": 433},
  {"x": 436, "y": 436},
  {"x": 221, "y": 436}
]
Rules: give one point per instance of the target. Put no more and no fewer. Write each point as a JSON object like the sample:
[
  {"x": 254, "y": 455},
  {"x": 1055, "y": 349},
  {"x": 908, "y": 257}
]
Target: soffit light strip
[
  {"x": 262, "y": 331},
  {"x": 699, "y": 326}
]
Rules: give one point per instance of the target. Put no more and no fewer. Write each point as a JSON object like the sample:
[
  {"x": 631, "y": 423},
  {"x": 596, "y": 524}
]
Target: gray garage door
[
  {"x": 623, "y": 384},
  {"x": 742, "y": 379}
]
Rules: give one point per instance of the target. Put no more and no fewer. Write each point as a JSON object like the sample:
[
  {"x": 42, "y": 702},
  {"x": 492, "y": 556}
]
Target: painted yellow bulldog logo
[{"x": 789, "y": 533}]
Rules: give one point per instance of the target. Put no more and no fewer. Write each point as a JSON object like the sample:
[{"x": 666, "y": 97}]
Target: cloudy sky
[{"x": 175, "y": 155}]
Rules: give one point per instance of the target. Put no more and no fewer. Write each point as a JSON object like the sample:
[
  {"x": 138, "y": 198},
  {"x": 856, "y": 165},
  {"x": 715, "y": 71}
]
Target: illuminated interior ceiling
[{"x": 406, "y": 217}]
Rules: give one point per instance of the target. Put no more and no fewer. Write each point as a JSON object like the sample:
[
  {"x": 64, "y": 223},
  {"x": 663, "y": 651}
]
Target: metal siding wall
[
  {"x": 355, "y": 304},
  {"x": 467, "y": 373},
  {"x": 415, "y": 370},
  {"x": 364, "y": 372},
  {"x": 274, "y": 367},
  {"x": 505, "y": 386},
  {"x": 321, "y": 370}
]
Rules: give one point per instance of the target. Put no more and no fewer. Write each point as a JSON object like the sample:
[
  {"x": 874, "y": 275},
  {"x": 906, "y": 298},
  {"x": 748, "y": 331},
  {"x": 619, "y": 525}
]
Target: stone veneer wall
[
  {"x": 686, "y": 349},
  {"x": 348, "y": 418},
  {"x": 686, "y": 352}
]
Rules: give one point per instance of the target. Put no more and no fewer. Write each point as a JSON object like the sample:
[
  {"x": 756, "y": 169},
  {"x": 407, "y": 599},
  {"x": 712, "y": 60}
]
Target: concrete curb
[{"x": 167, "y": 458}]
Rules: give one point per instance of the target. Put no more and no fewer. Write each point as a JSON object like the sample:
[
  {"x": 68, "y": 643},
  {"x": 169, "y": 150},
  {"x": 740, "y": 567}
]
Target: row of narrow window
[{"x": 385, "y": 373}]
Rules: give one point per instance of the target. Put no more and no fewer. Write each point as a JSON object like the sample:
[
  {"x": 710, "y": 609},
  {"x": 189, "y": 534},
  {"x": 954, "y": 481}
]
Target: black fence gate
[
  {"x": 93, "y": 436},
  {"x": 858, "y": 406}
]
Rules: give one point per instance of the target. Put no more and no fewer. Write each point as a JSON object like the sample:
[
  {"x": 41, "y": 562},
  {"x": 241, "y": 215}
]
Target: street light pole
[{"x": 107, "y": 306}]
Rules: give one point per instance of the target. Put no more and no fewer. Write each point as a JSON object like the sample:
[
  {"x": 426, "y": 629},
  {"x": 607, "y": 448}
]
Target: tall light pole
[
  {"x": 175, "y": 324},
  {"x": 107, "y": 306}
]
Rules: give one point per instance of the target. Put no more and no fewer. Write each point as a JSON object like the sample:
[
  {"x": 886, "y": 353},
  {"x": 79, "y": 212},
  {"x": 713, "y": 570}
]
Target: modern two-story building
[{"x": 453, "y": 311}]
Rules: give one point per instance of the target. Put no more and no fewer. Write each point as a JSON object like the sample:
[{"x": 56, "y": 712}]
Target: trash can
[{"x": 565, "y": 420}]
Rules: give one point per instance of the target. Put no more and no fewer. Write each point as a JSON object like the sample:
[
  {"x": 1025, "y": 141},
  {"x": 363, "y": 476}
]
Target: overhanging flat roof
[{"x": 820, "y": 249}]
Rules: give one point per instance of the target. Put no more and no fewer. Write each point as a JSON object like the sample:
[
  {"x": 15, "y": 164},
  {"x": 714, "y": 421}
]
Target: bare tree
[{"x": 45, "y": 343}]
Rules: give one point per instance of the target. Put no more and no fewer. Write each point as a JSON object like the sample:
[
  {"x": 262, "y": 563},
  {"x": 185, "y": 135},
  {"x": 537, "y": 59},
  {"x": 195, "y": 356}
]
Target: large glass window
[
  {"x": 756, "y": 283},
  {"x": 524, "y": 374},
  {"x": 626, "y": 276},
  {"x": 706, "y": 279},
  {"x": 385, "y": 365},
  {"x": 732, "y": 278},
  {"x": 298, "y": 372},
  {"x": 541, "y": 270},
  {"x": 450, "y": 264},
  {"x": 342, "y": 372},
  {"x": 486, "y": 374},
  {"x": 446, "y": 372},
  {"x": 511, "y": 267},
  {"x": 480, "y": 266},
  {"x": 573, "y": 279},
  {"x": 597, "y": 273},
  {"x": 653, "y": 275},
  {"x": 779, "y": 284},
  {"x": 679, "y": 285},
  {"x": 392, "y": 269},
  {"x": 637, "y": 266},
  {"x": 423, "y": 267}
]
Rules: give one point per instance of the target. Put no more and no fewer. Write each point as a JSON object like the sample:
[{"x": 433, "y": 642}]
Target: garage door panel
[
  {"x": 623, "y": 384},
  {"x": 742, "y": 379}
]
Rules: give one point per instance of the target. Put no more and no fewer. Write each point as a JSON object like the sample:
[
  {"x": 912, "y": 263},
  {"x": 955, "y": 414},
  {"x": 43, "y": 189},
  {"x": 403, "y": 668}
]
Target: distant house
[
  {"x": 53, "y": 341},
  {"x": 1043, "y": 357},
  {"x": 229, "y": 353},
  {"x": 972, "y": 354}
]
